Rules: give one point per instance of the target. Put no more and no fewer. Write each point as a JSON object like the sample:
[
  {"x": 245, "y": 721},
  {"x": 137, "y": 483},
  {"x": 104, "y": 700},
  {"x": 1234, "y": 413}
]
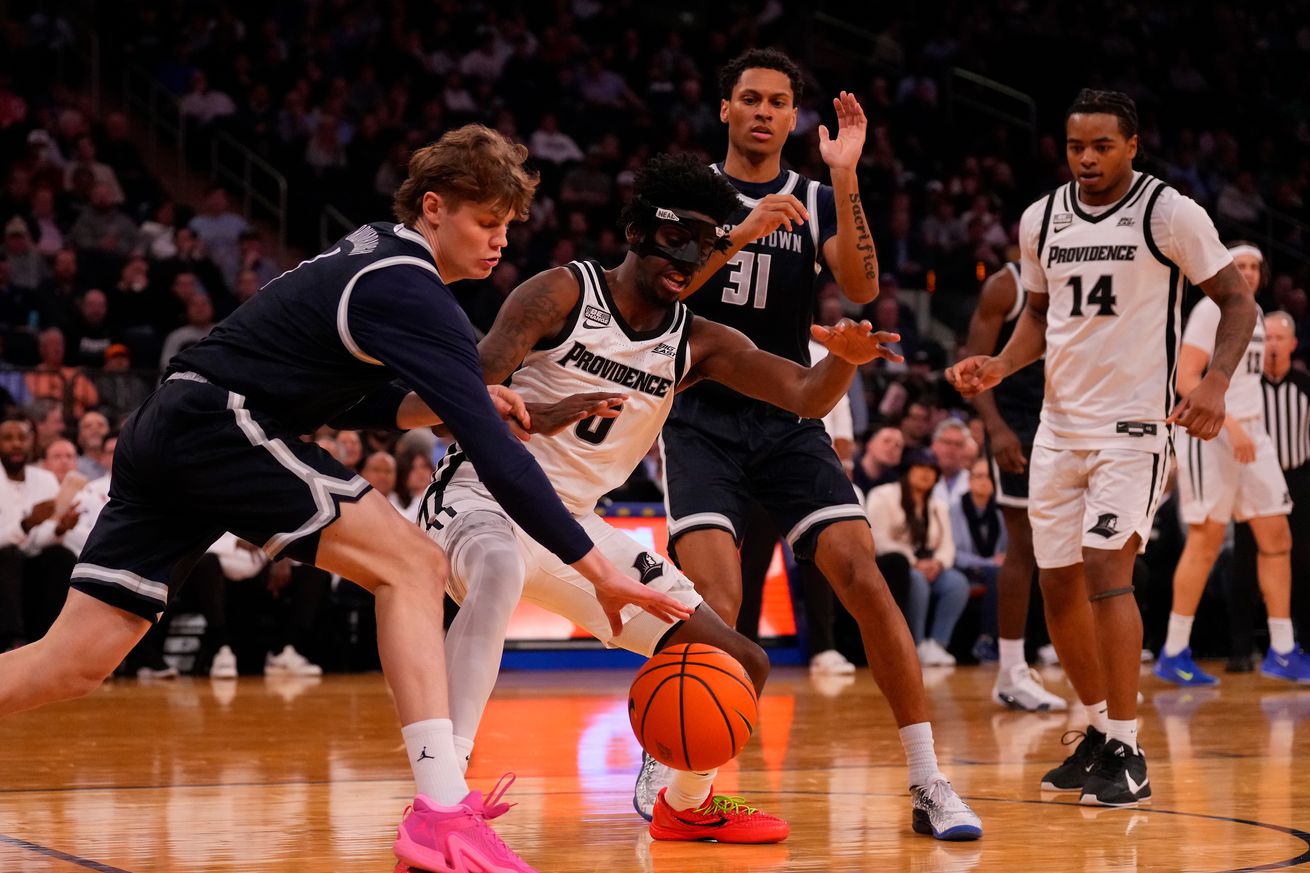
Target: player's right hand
[
  {"x": 773, "y": 212},
  {"x": 1243, "y": 445},
  {"x": 1006, "y": 448},
  {"x": 977, "y": 374},
  {"x": 549, "y": 419}
]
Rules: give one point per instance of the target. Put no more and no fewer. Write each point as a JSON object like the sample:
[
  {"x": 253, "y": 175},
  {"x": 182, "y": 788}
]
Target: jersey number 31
[{"x": 738, "y": 289}]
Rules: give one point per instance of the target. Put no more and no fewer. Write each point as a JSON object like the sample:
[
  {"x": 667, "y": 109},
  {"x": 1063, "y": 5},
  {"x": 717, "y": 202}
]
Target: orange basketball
[{"x": 693, "y": 707}]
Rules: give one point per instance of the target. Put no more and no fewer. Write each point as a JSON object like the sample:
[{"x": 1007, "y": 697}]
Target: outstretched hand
[
  {"x": 856, "y": 343},
  {"x": 549, "y": 419},
  {"x": 843, "y": 152}
]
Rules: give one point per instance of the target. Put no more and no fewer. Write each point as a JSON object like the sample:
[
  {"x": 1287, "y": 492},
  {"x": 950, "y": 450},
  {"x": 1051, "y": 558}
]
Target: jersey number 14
[
  {"x": 738, "y": 289},
  {"x": 1100, "y": 300}
]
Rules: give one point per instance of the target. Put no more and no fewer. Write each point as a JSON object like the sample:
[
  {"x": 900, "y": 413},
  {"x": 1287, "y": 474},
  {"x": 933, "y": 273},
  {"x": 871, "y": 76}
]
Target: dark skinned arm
[
  {"x": 727, "y": 356},
  {"x": 994, "y": 301},
  {"x": 982, "y": 373},
  {"x": 1201, "y": 412}
]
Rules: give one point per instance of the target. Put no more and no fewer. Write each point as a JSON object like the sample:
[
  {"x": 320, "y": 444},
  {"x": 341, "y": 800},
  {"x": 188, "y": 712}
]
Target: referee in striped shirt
[{"x": 1287, "y": 418}]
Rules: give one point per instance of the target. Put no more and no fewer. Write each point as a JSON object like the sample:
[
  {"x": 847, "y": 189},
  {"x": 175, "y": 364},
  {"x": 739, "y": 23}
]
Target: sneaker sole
[
  {"x": 957, "y": 834},
  {"x": 672, "y": 836},
  {"x": 1050, "y": 786},
  {"x": 1091, "y": 800},
  {"x": 1282, "y": 678},
  {"x": 421, "y": 858},
  {"x": 1008, "y": 702}
]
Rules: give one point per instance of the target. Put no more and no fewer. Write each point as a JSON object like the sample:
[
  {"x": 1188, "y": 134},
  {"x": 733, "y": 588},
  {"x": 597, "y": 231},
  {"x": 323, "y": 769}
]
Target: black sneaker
[
  {"x": 1072, "y": 774},
  {"x": 1118, "y": 777}
]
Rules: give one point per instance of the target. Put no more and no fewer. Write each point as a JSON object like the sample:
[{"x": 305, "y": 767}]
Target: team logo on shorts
[
  {"x": 1107, "y": 525},
  {"x": 647, "y": 567}
]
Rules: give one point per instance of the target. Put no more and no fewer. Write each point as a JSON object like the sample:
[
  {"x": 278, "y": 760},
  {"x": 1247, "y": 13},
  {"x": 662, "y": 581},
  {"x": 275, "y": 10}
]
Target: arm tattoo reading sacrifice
[{"x": 863, "y": 241}]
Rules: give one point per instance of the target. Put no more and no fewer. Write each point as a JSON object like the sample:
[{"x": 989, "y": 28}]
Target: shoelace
[
  {"x": 940, "y": 794},
  {"x": 491, "y": 805},
  {"x": 726, "y": 804}
]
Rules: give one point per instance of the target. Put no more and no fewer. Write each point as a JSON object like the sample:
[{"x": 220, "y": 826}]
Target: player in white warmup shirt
[
  {"x": 1105, "y": 259},
  {"x": 1234, "y": 476},
  {"x": 580, "y": 329}
]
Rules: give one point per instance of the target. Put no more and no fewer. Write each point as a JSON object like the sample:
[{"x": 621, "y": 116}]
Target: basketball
[{"x": 693, "y": 707}]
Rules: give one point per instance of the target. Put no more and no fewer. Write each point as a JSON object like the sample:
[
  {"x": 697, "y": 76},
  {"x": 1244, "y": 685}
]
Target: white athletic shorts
[
  {"x": 1091, "y": 499},
  {"x": 1213, "y": 485},
  {"x": 556, "y": 586}
]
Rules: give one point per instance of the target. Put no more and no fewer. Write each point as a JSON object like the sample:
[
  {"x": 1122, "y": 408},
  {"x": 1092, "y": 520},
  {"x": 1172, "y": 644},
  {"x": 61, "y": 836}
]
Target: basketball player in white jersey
[
  {"x": 1234, "y": 476},
  {"x": 1105, "y": 259},
  {"x": 580, "y": 329}
]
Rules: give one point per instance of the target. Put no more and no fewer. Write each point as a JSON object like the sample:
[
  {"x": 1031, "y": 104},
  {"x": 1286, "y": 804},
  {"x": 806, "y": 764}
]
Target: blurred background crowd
[{"x": 112, "y": 262}]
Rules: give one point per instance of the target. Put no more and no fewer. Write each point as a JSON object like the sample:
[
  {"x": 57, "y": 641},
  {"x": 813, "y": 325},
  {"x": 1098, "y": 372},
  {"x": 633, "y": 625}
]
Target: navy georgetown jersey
[
  {"x": 339, "y": 329},
  {"x": 767, "y": 290},
  {"x": 1019, "y": 396}
]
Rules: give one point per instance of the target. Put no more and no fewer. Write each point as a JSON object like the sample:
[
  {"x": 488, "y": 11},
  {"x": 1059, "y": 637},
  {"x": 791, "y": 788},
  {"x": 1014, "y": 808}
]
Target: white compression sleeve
[{"x": 489, "y": 566}]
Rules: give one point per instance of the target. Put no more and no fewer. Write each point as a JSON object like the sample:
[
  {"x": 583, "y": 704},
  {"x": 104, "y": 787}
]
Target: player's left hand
[
  {"x": 549, "y": 419},
  {"x": 856, "y": 343},
  {"x": 1201, "y": 413},
  {"x": 510, "y": 406},
  {"x": 843, "y": 152}
]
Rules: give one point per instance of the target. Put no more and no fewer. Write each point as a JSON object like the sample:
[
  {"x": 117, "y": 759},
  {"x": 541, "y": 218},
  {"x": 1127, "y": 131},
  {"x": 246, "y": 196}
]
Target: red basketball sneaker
[{"x": 721, "y": 818}]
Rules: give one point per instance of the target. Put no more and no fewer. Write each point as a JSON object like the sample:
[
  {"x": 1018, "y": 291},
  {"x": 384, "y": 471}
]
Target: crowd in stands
[{"x": 104, "y": 276}]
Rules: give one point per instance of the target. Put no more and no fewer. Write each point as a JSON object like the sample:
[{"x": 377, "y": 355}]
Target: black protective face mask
[{"x": 695, "y": 237}]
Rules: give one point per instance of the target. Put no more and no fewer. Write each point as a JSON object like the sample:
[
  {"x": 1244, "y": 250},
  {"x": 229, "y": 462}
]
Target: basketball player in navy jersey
[
  {"x": 722, "y": 449},
  {"x": 1010, "y": 412},
  {"x": 1105, "y": 262},
  {"x": 565, "y": 338},
  {"x": 216, "y": 448}
]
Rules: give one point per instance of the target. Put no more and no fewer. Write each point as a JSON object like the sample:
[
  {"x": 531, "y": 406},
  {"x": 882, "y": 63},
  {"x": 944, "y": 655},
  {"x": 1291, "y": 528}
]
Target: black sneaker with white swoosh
[
  {"x": 1118, "y": 778},
  {"x": 1072, "y": 774}
]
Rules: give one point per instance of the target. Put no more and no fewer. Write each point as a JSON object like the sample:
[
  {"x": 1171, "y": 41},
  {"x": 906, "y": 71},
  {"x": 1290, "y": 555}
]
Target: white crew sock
[
  {"x": 920, "y": 754},
  {"x": 432, "y": 757},
  {"x": 1281, "y": 638},
  {"x": 1123, "y": 730},
  {"x": 689, "y": 788},
  {"x": 463, "y": 751},
  {"x": 1011, "y": 654},
  {"x": 1180, "y": 634},
  {"x": 1098, "y": 716}
]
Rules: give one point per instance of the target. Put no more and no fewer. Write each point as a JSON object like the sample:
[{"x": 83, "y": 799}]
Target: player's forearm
[
  {"x": 413, "y": 412},
  {"x": 988, "y": 411},
  {"x": 1188, "y": 379},
  {"x": 856, "y": 266},
  {"x": 717, "y": 261},
  {"x": 824, "y": 385},
  {"x": 1237, "y": 314},
  {"x": 1027, "y": 343}
]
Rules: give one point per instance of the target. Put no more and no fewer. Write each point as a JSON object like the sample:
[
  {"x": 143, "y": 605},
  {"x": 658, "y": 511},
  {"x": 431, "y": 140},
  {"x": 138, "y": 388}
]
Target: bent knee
[{"x": 756, "y": 661}]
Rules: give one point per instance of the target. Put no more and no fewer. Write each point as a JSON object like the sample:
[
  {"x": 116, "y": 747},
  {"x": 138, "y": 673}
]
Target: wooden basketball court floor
[{"x": 309, "y": 775}]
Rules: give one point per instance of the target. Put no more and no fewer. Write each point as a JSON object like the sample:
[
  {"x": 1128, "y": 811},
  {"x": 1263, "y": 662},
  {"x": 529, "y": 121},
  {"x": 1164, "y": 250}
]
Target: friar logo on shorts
[
  {"x": 647, "y": 567},
  {"x": 1107, "y": 525}
]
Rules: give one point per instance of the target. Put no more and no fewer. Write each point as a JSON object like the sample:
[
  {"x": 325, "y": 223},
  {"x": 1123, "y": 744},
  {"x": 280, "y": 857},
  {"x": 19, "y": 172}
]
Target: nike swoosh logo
[
  {"x": 1282, "y": 662},
  {"x": 1184, "y": 674},
  {"x": 1133, "y": 786},
  {"x": 591, "y": 326},
  {"x": 702, "y": 824},
  {"x": 1058, "y": 228}
]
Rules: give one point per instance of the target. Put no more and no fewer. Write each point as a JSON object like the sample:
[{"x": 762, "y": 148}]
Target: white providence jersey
[
  {"x": 1115, "y": 276},
  {"x": 1245, "y": 396},
  {"x": 596, "y": 351}
]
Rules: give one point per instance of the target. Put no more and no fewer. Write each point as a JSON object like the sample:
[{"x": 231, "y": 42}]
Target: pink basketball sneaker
[{"x": 457, "y": 839}]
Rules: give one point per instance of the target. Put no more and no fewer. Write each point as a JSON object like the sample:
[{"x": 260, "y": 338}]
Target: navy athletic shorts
[
  {"x": 719, "y": 458},
  {"x": 192, "y": 463},
  {"x": 1012, "y": 488}
]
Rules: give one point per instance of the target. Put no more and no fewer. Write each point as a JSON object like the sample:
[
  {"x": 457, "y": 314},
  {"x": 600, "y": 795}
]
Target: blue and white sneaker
[
  {"x": 1180, "y": 669},
  {"x": 652, "y": 777},
  {"x": 1294, "y": 666},
  {"x": 939, "y": 811}
]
